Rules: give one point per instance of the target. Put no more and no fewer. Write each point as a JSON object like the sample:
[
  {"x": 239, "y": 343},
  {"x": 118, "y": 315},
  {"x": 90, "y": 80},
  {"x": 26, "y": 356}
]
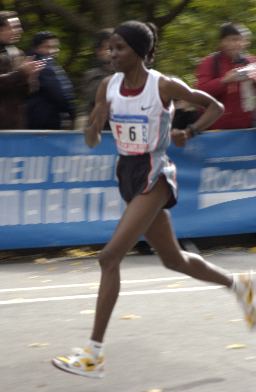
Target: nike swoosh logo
[{"x": 146, "y": 107}]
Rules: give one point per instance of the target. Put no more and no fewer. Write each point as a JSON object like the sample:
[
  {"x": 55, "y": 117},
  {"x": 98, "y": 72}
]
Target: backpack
[{"x": 216, "y": 63}]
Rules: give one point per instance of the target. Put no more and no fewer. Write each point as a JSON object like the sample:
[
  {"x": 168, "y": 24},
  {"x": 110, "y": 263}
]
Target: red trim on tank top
[
  {"x": 132, "y": 92},
  {"x": 126, "y": 92}
]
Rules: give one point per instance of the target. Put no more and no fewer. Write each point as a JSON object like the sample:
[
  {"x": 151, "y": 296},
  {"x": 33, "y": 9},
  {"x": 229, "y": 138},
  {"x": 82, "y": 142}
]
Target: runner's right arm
[{"x": 98, "y": 116}]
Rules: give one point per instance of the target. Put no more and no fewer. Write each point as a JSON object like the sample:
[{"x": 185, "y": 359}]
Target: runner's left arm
[{"x": 177, "y": 89}]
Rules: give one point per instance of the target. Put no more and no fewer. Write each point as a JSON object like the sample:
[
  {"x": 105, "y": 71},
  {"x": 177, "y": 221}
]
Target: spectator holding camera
[
  {"x": 18, "y": 74},
  {"x": 229, "y": 76}
]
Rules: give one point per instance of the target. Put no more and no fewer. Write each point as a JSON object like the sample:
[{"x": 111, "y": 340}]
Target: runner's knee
[
  {"x": 174, "y": 262},
  {"x": 109, "y": 261}
]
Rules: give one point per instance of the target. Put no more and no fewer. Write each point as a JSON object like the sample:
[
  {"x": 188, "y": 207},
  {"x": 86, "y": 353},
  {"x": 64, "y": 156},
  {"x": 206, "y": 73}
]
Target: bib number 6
[{"x": 132, "y": 134}]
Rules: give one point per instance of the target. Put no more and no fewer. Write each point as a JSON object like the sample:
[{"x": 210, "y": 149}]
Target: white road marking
[
  {"x": 124, "y": 293},
  {"x": 76, "y": 285},
  {"x": 67, "y": 286}
]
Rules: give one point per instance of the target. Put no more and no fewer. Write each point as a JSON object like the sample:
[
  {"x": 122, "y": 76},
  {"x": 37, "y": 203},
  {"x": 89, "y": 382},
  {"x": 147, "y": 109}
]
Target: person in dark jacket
[
  {"x": 17, "y": 74},
  {"x": 53, "y": 103}
]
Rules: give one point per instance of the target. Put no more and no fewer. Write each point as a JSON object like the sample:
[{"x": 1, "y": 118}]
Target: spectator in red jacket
[{"x": 227, "y": 76}]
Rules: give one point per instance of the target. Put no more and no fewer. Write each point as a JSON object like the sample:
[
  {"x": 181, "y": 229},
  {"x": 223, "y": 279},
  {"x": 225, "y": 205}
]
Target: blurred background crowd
[{"x": 53, "y": 54}]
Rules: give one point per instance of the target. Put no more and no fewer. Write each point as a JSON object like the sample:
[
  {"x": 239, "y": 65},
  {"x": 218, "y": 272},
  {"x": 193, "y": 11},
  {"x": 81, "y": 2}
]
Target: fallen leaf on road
[
  {"x": 80, "y": 253},
  {"x": 87, "y": 311},
  {"x": 50, "y": 269},
  {"x": 175, "y": 285},
  {"x": 235, "y": 320},
  {"x": 252, "y": 358},
  {"x": 76, "y": 263},
  {"x": 209, "y": 317},
  {"x": 41, "y": 260},
  {"x": 154, "y": 390},
  {"x": 36, "y": 345},
  {"x": 235, "y": 346},
  {"x": 253, "y": 249},
  {"x": 94, "y": 286},
  {"x": 130, "y": 317}
]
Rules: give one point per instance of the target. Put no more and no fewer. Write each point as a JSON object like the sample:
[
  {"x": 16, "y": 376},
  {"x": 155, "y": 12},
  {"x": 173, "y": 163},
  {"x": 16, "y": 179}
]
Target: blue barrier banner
[
  {"x": 217, "y": 180},
  {"x": 55, "y": 191}
]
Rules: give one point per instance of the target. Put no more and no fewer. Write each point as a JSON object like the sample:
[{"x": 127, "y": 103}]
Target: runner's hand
[{"x": 179, "y": 137}]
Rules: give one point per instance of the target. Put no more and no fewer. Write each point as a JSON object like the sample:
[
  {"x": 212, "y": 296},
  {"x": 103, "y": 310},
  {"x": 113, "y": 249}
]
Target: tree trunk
[{"x": 106, "y": 12}]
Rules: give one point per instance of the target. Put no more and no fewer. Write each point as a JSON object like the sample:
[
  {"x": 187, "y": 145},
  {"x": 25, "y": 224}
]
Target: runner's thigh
[{"x": 137, "y": 218}]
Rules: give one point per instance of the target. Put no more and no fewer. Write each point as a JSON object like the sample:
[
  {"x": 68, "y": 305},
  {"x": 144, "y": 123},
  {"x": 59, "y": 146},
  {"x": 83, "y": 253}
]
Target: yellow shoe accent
[
  {"x": 245, "y": 289},
  {"x": 77, "y": 364},
  {"x": 81, "y": 363},
  {"x": 249, "y": 296},
  {"x": 88, "y": 364},
  {"x": 63, "y": 359}
]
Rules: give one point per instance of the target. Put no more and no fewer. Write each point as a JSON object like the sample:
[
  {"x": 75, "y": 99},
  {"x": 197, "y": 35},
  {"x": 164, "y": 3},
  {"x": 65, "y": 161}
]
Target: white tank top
[{"x": 140, "y": 124}]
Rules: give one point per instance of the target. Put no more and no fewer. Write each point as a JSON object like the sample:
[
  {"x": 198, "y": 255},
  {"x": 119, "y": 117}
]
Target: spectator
[
  {"x": 17, "y": 74},
  {"x": 102, "y": 67},
  {"x": 247, "y": 37},
  {"x": 221, "y": 74},
  {"x": 16, "y": 27},
  {"x": 53, "y": 103}
]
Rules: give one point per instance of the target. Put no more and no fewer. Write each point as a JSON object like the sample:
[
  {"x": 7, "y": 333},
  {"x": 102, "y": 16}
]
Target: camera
[
  {"x": 247, "y": 72},
  {"x": 242, "y": 73}
]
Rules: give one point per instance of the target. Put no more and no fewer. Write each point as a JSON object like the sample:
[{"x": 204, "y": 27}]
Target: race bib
[{"x": 131, "y": 132}]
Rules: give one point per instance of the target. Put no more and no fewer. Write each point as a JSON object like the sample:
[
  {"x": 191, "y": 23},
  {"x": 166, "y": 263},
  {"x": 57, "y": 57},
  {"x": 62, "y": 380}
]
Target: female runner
[{"x": 139, "y": 104}]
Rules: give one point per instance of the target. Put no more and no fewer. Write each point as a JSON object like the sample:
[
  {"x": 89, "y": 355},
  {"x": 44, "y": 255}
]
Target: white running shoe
[
  {"x": 82, "y": 362},
  {"x": 245, "y": 289}
]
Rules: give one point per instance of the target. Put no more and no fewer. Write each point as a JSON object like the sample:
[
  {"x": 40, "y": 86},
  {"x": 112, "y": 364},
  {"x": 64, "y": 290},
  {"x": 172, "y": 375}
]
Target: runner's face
[{"x": 123, "y": 56}]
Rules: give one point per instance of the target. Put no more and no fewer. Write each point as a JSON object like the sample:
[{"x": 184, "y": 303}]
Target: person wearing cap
[
  {"x": 139, "y": 104},
  {"x": 51, "y": 106},
  {"x": 222, "y": 74}
]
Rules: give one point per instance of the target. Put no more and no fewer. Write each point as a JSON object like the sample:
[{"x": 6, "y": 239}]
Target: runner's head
[{"x": 130, "y": 40}]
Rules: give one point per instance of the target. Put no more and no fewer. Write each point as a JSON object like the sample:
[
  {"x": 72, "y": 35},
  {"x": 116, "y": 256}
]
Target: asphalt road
[{"x": 168, "y": 332}]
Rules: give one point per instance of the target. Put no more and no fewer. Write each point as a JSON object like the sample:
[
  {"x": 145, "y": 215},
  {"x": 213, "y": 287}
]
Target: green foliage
[
  {"x": 194, "y": 34},
  {"x": 183, "y": 41}
]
